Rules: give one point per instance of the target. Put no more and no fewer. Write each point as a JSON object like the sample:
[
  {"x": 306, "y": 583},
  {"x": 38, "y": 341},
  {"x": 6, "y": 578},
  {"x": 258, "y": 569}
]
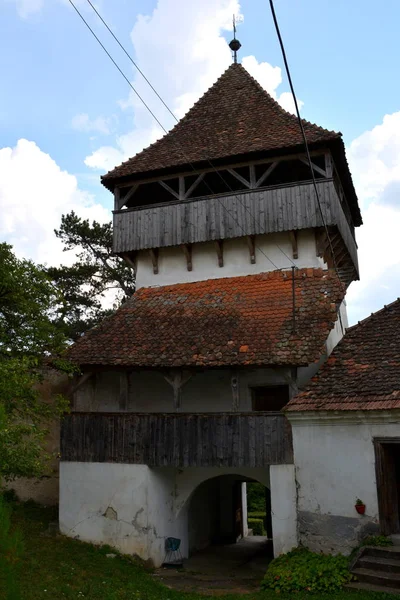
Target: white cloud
[
  {"x": 270, "y": 78},
  {"x": 82, "y": 122},
  {"x": 34, "y": 193},
  {"x": 25, "y": 8},
  {"x": 182, "y": 65},
  {"x": 374, "y": 159}
]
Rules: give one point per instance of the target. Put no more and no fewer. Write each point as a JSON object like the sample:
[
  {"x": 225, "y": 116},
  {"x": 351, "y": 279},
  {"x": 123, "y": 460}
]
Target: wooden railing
[{"x": 177, "y": 439}]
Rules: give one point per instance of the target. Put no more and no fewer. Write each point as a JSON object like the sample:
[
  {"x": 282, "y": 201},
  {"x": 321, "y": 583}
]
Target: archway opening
[{"x": 218, "y": 519}]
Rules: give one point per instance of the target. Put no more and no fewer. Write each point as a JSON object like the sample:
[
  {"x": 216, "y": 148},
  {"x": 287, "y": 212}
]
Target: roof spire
[{"x": 234, "y": 44}]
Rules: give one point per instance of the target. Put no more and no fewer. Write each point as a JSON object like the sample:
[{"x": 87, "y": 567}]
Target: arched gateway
[{"x": 236, "y": 302}]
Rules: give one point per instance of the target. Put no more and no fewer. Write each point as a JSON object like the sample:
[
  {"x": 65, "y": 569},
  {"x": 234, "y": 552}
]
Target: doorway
[{"x": 387, "y": 466}]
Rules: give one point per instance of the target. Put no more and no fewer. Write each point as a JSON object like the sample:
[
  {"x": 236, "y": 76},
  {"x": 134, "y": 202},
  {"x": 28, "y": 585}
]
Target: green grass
[{"x": 55, "y": 568}]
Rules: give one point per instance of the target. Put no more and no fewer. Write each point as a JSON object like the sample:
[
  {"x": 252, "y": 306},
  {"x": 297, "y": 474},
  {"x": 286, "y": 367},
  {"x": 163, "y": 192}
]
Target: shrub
[
  {"x": 377, "y": 540},
  {"x": 257, "y": 525},
  {"x": 302, "y": 570},
  {"x": 255, "y": 496},
  {"x": 257, "y": 514}
]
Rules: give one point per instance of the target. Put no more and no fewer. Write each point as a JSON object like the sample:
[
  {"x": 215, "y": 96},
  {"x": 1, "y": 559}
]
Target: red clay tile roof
[
  {"x": 218, "y": 322},
  {"x": 235, "y": 116},
  {"x": 363, "y": 371}
]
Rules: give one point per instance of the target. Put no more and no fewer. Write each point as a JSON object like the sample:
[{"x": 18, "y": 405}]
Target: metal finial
[{"x": 234, "y": 45}]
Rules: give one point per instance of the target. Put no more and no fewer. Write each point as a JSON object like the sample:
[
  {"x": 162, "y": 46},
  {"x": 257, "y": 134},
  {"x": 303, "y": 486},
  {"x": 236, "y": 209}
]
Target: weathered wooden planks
[
  {"x": 178, "y": 440},
  {"x": 221, "y": 217}
]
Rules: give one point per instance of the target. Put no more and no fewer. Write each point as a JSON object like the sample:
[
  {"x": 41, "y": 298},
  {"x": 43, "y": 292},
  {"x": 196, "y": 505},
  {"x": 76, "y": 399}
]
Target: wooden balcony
[
  {"x": 268, "y": 210},
  {"x": 178, "y": 439}
]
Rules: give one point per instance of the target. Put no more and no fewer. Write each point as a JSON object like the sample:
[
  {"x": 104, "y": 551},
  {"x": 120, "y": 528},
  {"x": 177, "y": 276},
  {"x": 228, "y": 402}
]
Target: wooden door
[{"x": 386, "y": 453}]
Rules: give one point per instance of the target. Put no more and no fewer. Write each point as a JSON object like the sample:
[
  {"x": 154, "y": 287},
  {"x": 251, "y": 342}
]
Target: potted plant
[{"x": 360, "y": 506}]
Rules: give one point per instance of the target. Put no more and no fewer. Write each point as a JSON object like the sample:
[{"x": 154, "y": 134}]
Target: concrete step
[
  {"x": 381, "y": 578},
  {"x": 369, "y": 587},
  {"x": 379, "y": 563}
]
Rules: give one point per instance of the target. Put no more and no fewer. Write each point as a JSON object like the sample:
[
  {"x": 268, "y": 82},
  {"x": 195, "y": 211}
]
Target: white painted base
[
  {"x": 283, "y": 505},
  {"x": 135, "y": 508}
]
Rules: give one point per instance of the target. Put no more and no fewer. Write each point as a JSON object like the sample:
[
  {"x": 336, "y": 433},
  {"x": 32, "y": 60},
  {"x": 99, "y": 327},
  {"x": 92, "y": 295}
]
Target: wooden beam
[
  {"x": 219, "y": 245},
  {"x": 315, "y": 167},
  {"x": 251, "y": 242},
  {"x": 194, "y": 185},
  {"x": 130, "y": 259},
  {"x": 129, "y": 194},
  {"x": 293, "y": 241},
  {"x": 169, "y": 189},
  {"x": 266, "y": 173},
  {"x": 239, "y": 177},
  {"x": 123, "y": 390},
  {"x": 154, "y": 259},
  {"x": 261, "y": 161},
  {"x": 177, "y": 379},
  {"x": 187, "y": 250}
]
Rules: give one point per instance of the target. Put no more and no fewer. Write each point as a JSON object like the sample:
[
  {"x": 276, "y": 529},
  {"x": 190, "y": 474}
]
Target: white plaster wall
[
  {"x": 173, "y": 268},
  {"x": 139, "y": 503},
  {"x": 335, "y": 461},
  {"x": 339, "y": 329},
  {"x": 134, "y": 508},
  {"x": 283, "y": 508}
]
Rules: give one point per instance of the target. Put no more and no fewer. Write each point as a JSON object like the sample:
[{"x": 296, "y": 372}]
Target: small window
[{"x": 272, "y": 398}]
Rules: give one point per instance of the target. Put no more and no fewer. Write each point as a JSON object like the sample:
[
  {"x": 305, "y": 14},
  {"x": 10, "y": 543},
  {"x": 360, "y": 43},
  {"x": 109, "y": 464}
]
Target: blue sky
[{"x": 61, "y": 94}]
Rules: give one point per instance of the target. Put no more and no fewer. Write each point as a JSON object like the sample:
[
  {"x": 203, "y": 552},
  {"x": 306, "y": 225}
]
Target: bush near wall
[
  {"x": 258, "y": 515},
  {"x": 257, "y": 525},
  {"x": 305, "y": 571}
]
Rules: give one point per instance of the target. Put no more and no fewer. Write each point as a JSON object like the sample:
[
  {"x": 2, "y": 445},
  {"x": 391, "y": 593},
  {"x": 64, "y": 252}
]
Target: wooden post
[
  {"x": 219, "y": 244},
  {"x": 123, "y": 390},
  {"x": 117, "y": 196},
  {"x": 154, "y": 259},
  {"x": 251, "y": 242},
  {"x": 181, "y": 188},
  {"x": 293, "y": 241},
  {"x": 187, "y": 250},
  {"x": 235, "y": 391}
]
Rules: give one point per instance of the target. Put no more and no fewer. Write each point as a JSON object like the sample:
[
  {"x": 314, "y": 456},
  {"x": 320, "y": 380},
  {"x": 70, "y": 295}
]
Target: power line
[
  {"x": 174, "y": 116},
  {"x": 163, "y": 128},
  {"x": 271, "y": 3}
]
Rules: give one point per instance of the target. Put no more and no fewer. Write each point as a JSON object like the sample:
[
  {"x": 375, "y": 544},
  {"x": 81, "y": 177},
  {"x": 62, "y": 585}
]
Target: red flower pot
[{"x": 360, "y": 508}]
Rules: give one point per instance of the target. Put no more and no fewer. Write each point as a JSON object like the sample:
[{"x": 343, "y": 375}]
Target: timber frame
[{"x": 126, "y": 191}]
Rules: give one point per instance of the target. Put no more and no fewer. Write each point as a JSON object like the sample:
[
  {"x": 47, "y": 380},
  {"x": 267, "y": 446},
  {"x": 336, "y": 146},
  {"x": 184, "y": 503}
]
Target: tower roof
[
  {"x": 236, "y": 116},
  {"x": 234, "y": 119}
]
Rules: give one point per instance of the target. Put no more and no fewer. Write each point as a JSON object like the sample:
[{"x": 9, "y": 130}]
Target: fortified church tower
[{"x": 236, "y": 304}]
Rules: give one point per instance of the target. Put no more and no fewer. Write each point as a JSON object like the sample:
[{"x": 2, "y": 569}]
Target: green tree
[
  {"x": 95, "y": 277},
  {"x": 29, "y": 339}
]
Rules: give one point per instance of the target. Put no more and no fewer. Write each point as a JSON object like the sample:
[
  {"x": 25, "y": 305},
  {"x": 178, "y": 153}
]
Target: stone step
[
  {"x": 395, "y": 537},
  {"x": 382, "y": 551},
  {"x": 379, "y": 563},
  {"x": 380, "y": 578},
  {"x": 369, "y": 587}
]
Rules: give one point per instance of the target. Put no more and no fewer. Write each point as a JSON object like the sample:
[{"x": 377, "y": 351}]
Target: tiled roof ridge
[
  {"x": 280, "y": 107},
  {"x": 373, "y": 315}
]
